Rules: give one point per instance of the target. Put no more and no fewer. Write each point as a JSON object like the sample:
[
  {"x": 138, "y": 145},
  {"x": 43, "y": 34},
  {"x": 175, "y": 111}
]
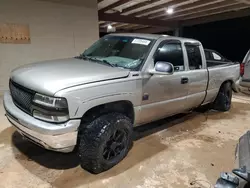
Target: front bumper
[{"x": 57, "y": 137}]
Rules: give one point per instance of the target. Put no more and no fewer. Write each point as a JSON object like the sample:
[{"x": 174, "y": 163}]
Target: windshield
[{"x": 119, "y": 51}]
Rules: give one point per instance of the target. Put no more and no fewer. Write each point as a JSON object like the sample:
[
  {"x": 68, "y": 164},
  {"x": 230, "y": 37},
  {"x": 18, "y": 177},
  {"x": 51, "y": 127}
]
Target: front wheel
[
  {"x": 224, "y": 98},
  {"x": 104, "y": 142}
]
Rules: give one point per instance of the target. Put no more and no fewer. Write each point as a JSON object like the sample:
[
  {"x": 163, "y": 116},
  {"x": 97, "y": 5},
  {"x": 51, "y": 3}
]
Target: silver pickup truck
[{"x": 91, "y": 102}]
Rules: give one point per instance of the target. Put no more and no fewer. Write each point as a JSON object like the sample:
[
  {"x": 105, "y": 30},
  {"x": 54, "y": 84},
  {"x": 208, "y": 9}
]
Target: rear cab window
[
  {"x": 216, "y": 57},
  {"x": 194, "y": 56}
]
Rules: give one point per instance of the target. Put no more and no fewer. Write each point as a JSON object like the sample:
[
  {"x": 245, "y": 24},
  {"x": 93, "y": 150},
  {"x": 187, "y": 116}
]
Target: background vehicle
[
  {"x": 92, "y": 102},
  {"x": 240, "y": 176},
  {"x": 245, "y": 74}
]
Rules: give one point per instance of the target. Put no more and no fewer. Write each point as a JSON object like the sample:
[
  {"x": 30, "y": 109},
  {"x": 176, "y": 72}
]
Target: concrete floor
[{"x": 174, "y": 153}]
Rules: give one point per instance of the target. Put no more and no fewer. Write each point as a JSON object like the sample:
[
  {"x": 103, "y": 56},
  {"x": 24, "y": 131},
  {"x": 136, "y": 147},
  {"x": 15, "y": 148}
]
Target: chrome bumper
[{"x": 56, "y": 137}]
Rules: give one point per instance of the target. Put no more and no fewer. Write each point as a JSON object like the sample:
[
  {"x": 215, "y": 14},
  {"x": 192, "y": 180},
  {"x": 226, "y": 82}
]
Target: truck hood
[{"x": 48, "y": 77}]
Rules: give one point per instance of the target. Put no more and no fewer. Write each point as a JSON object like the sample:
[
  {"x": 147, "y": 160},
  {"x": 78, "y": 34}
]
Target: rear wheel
[
  {"x": 224, "y": 98},
  {"x": 104, "y": 142}
]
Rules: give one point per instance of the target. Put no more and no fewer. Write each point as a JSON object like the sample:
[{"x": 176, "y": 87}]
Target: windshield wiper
[
  {"x": 82, "y": 56},
  {"x": 100, "y": 61},
  {"x": 108, "y": 63}
]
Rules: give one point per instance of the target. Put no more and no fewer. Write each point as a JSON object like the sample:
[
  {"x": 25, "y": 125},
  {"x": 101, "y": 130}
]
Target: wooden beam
[
  {"x": 134, "y": 20},
  {"x": 139, "y": 5},
  {"x": 113, "y": 5},
  {"x": 181, "y": 8},
  {"x": 245, "y": 1},
  {"x": 215, "y": 11},
  {"x": 200, "y": 9},
  {"x": 103, "y": 24},
  {"x": 118, "y": 25},
  {"x": 107, "y": 23},
  {"x": 139, "y": 27},
  {"x": 104, "y": 30},
  {"x": 99, "y": 1},
  {"x": 152, "y": 30},
  {"x": 217, "y": 17},
  {"x": 157, "y": 7}
]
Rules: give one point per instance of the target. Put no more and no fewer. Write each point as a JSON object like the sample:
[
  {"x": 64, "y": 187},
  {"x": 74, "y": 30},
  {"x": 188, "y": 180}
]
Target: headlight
[
  {"x": 50, "y": 101},
  {"x": 51, "y": 109}
]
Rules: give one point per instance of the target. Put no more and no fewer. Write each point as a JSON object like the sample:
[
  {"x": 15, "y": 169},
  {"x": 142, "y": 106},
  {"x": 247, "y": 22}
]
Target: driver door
[{"x": 165, "y": 95}]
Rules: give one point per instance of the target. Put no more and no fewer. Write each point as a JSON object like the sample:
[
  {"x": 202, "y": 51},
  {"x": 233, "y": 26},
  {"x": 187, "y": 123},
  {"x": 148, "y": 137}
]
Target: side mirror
[{"x": 163, "y": 68}]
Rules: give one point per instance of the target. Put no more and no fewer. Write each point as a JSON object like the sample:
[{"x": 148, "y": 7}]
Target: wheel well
[
  {"x": 232, "y": 84},
  {"x": 124, "y": 107}
]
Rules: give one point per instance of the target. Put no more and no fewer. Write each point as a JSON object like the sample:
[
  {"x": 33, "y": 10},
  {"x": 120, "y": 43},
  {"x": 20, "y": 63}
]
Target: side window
[
  {"x": 216, "y": 56},
  {"x": 194, "y": 56},
  {"x": 172, "y": 53}
]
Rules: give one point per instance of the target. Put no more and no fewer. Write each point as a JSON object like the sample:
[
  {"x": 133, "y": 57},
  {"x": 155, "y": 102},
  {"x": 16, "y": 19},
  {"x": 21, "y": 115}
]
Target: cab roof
[{"x": 155, "y": 36}]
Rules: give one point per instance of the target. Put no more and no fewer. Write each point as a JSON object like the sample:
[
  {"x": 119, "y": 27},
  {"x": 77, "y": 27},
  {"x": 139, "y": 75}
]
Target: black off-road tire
[
  {"x": 224, "y": 98},
  {"x": 94, "y": 139}
]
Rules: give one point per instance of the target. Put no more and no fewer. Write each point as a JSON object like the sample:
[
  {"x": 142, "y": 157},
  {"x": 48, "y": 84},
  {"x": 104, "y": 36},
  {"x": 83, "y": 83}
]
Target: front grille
[{"x": 21, "y": 96}]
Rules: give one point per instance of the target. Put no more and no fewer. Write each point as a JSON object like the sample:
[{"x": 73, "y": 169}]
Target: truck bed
[{"x": 215, "y": 64}]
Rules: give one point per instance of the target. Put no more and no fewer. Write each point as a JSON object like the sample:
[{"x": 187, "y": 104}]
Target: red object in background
[{"x": 242, "y": 69}]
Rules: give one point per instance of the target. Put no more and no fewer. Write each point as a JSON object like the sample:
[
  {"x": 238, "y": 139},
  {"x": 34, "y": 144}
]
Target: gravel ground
[{"x": 183, "y": 151}]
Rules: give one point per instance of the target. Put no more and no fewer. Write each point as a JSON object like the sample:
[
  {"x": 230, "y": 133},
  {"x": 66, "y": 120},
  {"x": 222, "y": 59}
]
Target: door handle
[{"x": 184, "y": 80}]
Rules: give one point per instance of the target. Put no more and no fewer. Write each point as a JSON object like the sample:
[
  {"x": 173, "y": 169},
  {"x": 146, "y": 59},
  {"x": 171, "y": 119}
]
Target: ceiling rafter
[
  {"x": 139, "y": 5},
  {"x": 181, "y": 8},
  {"x": 99, "y": 1},
  {"x": 152, "y": 30},
  {"x": 113, "y": 5},
  {"x": 168, "y": 4},
  {"x": 217, "y": 17},
  {"x": 245, "y": 1},
  {"x": 107, "y": 23},
  {"x": 150, "y": 15},
  {"x": 134, "y": 20},
  {"x": 202, "y": 9},
  {"x": 121, "y": 25},
  {"x": 216, "y": 11}
]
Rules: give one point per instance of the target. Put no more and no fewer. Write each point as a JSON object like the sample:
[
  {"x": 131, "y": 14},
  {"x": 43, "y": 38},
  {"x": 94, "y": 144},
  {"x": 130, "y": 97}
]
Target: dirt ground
[{"x": 183, "y": 151}]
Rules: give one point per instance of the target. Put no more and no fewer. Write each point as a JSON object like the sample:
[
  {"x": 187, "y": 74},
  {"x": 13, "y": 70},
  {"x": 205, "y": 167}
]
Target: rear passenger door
[{"x": 197, "y": 74}]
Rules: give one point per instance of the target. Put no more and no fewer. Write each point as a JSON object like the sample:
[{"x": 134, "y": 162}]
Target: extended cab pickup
[{"x": 91, "y": 102}]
